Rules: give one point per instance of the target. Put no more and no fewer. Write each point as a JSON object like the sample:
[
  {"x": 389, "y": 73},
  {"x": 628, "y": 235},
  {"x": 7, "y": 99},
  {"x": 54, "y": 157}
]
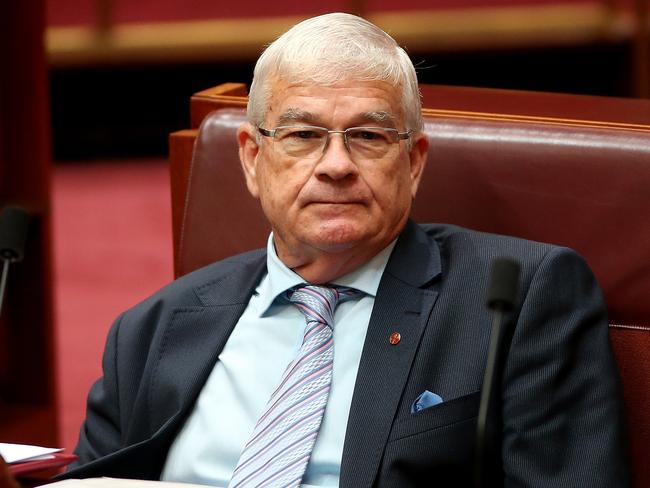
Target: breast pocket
[
  {"x": 434, "y": 444},
  {"x": 444, "y": 414}
]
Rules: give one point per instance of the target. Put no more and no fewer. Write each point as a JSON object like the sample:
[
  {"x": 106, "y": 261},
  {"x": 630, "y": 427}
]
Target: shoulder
[
  {"x": 462, "y": 243},
  {"x": 466, "y": 252},
  {"x": 229, "y": 276}
]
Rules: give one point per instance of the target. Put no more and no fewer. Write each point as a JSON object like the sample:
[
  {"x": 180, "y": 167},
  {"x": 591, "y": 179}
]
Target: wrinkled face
[{"x": 333, "y": 203}]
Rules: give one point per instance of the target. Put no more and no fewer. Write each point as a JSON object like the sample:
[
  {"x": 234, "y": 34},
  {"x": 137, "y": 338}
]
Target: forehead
[{"x": 347, "y": 100}]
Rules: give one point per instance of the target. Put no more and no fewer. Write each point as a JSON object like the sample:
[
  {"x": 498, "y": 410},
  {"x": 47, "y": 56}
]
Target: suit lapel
[
  {"x": 193, "y": 339},
  {"x": 403, "y": 305}
]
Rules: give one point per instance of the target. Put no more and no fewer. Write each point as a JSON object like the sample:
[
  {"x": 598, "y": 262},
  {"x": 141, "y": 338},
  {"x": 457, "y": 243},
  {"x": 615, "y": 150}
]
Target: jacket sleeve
[
  {"x": 101, "y": 431},
  {"x": 562, "y": 405}
]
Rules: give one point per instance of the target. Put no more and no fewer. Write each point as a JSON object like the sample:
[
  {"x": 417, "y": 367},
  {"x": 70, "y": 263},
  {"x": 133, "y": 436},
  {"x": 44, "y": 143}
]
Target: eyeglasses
[{"x": 306, "y": 141}]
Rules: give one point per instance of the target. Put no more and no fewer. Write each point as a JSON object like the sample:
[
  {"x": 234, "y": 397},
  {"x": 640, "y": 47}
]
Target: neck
[
  {"x": 325, "y": 267},
  {"x": 327, "y": 270}
]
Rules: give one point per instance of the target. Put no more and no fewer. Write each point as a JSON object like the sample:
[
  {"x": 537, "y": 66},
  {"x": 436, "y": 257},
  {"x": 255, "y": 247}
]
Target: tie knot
[{"x": 318, "y": 303}]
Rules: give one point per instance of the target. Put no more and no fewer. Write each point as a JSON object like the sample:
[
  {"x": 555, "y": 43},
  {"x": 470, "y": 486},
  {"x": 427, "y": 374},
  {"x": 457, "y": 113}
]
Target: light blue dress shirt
[{"x": 264, "y": 341}]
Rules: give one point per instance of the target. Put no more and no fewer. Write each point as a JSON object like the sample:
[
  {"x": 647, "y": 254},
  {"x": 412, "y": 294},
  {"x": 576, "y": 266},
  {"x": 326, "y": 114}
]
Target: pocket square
[{"x": 425, "y": 400}]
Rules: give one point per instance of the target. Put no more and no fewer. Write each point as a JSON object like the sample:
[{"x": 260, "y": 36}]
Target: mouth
[
  {"x": 333, "y": 204},
  {"x": 336, "y": 200}
]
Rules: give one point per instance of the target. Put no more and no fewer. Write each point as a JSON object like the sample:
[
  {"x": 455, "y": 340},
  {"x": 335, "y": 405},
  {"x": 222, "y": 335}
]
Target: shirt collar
[{"x": 280, "y": 278}]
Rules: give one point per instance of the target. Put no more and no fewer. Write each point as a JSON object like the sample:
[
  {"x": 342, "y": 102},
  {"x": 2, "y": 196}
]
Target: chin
[{"x": 339, "y": 237}]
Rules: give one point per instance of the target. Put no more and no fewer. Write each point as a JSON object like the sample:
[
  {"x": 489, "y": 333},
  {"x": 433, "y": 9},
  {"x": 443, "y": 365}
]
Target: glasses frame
[{"x": 400, "y": 136}]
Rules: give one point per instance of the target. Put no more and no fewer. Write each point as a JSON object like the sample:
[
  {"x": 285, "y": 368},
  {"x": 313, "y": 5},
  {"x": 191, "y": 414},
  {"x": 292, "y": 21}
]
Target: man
[{"x": 219, "y": 379}]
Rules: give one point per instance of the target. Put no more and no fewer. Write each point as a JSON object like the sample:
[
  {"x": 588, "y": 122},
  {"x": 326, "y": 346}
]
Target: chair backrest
[{"x": 564, "y": 169}]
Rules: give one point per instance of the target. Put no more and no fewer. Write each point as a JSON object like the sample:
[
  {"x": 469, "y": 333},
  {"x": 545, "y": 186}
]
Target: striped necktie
[{"x": 279, "y": 448}]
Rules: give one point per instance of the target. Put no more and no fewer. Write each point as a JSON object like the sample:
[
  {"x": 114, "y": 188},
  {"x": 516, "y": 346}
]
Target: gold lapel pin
[{"x": 394, "y": 338}]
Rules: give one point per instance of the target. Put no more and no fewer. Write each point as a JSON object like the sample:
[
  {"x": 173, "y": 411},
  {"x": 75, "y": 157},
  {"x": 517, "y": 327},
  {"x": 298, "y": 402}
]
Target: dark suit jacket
[{"x": 561, "y": 403}]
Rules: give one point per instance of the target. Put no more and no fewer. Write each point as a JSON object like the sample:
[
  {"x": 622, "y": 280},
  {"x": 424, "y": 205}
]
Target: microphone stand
[
  {"x": 3, "y": 281},
  {"x": 502, "y": 294},
  {"x": 13, "y": 232}
]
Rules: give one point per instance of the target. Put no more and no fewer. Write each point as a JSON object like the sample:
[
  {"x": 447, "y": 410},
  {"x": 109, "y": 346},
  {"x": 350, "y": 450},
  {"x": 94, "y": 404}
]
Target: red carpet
[{"x": 112, "y": 247}]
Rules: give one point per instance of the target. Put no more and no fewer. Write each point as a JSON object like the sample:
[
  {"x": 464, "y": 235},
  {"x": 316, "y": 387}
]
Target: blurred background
[
  {"x": 110, "y": 58},
  {"x": 90, "y": 90}
]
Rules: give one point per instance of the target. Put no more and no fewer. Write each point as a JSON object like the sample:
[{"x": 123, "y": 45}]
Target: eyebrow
[
  {"x": 296, "y": 115},
  {"x": 380, "y": 117}
]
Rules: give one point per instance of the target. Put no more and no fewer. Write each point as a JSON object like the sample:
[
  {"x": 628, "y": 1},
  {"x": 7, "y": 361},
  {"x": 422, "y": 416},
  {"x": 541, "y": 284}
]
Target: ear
[
  {"x": 248, "y": 151},
  {"x": 418, "y": 159}
]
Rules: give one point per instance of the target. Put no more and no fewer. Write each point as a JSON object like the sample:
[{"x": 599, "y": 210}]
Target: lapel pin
[{"x": 394, "y": 339}]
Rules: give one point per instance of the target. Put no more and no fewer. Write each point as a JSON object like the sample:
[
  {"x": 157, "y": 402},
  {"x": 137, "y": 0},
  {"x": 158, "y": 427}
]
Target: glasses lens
[
  {"x": 370, "y": 142},
  {"x": 301, "y": 142}
]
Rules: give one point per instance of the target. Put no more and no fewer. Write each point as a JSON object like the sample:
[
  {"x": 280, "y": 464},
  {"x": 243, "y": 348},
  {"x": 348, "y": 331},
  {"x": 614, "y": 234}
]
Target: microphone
[
  {"x": 501, "y": 297},
  {"x": 13, "y": 234}
]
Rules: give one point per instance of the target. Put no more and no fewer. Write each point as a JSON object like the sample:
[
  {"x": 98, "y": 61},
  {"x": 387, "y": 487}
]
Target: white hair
[{"x": 332, "y": 48}]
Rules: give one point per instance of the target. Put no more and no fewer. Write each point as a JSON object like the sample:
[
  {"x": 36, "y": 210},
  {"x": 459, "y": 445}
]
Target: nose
[{"x": 335, "y": 162}]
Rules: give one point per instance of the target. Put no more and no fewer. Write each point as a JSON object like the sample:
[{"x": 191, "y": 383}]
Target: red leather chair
[{"x": 570, "y": 170}]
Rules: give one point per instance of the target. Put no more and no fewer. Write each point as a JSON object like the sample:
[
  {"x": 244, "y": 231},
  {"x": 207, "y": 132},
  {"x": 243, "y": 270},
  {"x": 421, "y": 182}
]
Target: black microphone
[
  {"x": 501, "y": 297},
  {"x": 13, "y": 234}
]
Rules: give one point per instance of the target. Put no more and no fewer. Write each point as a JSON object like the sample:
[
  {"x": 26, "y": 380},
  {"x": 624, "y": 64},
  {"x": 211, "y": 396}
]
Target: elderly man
[{"x": 350, "y": 352}]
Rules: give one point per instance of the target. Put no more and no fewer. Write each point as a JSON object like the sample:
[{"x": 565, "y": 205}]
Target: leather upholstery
[
  {"x": 584, "y": 187},
  {"x": 582, "y": 184}
]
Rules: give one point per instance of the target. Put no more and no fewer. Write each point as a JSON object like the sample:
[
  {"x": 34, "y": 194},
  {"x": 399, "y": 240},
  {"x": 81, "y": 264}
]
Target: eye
[
  {"x": 369, "y": 135},
  {"x": 302, "y": 134}
]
